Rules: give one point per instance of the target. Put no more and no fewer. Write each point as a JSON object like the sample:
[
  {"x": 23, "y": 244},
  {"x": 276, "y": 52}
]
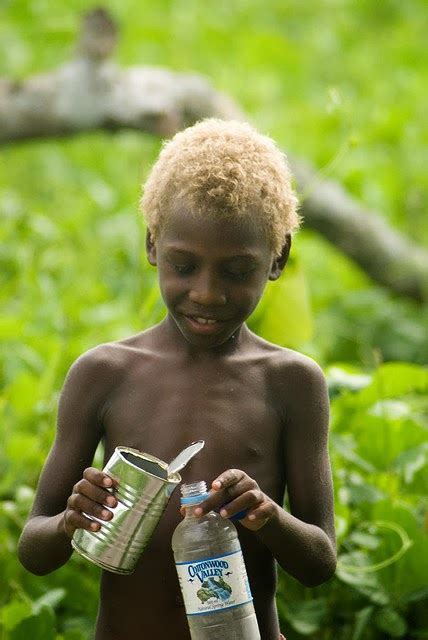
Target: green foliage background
[{"x": 340, "y": 82}]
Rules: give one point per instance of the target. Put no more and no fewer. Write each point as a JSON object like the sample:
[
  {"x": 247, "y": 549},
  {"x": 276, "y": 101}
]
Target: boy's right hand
[{"x": 90, "y": 496}]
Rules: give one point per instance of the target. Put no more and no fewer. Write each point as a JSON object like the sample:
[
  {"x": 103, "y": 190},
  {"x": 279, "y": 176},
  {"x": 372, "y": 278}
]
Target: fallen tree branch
[
  {"x": 388, "y": 257},
  {"x": 91, "y": 92}
]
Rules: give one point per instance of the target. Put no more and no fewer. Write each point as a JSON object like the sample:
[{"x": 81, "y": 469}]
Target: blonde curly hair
[{"x": 223, "y": 169}]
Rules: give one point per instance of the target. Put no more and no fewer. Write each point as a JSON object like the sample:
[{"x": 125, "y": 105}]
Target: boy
[{"x": 220, "y": 212}]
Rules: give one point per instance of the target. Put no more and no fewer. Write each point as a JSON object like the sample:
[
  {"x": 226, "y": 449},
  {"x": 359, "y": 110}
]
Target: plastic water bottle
[{"x": 212, "y": 574}]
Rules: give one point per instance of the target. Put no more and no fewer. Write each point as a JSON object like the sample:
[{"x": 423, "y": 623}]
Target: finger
[
  {"x": 230, "y": 484},
  {"x": 241, "y": 487},
  {"x": 219, "y": 498},
  {"x": 235, "y": 490},
  {"x": 248, "y": 500},
  {"x": 80, "y": 503},
  {"x": 261, "y": 513},
  {"x": 102, "y": 496},
  {"x": 75, "y": 520},
  {"x": 99, "y": 478},
  {"x": 228, "y": 478},
  {"x": 214, "y": 501}
]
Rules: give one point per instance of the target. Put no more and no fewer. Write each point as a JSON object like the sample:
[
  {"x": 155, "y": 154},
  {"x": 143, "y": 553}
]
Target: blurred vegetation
[{"x": 340, "y": 82}]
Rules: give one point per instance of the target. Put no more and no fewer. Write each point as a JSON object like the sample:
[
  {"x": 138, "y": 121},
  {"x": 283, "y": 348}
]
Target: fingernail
[
  {"x": 107, "y": 482},
  {"x": 105, "y": 513},
  {"x": 198, "y": 511},
  {"x": 223, "y": 513},
  {"x": 217, "y": 484},
  {"x": 94, "y": 526},
  {"x": 111, "y": 501},
  {"x": 252, "y": 517}
]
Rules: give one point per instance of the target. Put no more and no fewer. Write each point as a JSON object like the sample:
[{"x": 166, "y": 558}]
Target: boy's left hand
[{"x": 234, "y": 492}]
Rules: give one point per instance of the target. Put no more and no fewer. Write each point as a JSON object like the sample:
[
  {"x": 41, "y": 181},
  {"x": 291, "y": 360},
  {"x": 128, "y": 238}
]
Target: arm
[
  {"x": 303, "y": 541},
  {"x": 45, "y": 542}
]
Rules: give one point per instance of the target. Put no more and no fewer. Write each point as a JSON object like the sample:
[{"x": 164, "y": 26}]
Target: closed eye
[
  {"x": 238, "y": 275},
  {"x": 183, "y": 269}
]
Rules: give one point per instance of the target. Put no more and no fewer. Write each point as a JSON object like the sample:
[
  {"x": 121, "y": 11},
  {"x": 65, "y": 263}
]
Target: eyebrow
[{"x": 247, "y": 255}]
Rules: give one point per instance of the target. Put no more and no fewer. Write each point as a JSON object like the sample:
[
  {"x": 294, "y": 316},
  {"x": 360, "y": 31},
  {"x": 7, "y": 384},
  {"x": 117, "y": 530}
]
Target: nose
[{"x": 206, "y": 291}]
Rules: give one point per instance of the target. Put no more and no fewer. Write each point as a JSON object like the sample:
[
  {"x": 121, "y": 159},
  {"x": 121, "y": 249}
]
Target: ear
[
  {"x": 151, "y": 249},
  {"x": 278, "y": 264}
]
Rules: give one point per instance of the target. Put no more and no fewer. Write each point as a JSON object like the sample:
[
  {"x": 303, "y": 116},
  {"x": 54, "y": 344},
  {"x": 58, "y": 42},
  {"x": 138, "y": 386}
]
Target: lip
[{"x": 204, "y": 329}]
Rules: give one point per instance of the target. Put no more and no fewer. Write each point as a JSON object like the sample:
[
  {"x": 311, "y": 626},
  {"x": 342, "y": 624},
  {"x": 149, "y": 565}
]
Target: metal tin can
[{"x": 144, "y": 488}]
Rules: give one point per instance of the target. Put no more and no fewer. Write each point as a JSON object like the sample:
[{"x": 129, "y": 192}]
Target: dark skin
[{"x": 261, "y": 409}]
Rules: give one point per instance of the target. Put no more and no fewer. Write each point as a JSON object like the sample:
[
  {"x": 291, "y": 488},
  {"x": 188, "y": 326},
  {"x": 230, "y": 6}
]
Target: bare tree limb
[
  {"x": 92, "y": 92},
  {"x": 387, "y": 256}
]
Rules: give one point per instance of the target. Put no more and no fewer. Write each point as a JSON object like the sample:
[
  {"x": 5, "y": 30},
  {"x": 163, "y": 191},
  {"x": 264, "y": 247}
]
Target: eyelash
[
  {"x": 183, "y": 270},
  {"x": 187, "y": 270},
  {"x": 238, "y": 276}
]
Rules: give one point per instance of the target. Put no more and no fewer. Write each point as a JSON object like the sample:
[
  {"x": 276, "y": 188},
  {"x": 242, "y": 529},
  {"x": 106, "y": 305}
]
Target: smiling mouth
[
  {"x": 204, "y": 320},
  {"x": 201, "y": 325}
]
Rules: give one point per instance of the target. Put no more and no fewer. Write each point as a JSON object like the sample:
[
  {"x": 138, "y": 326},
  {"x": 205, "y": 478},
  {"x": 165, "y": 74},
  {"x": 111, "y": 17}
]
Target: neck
[{"x": 232, "y": 344}]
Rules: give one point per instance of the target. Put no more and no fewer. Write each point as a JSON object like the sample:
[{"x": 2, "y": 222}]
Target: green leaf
[
  {"x": 284, "y": 316},
  {"x": 361, "y": 493},
  {"x": 345, "y": 445},
  {"x": 393, "y": 380},
  {"x": 23, "y": 393},
  {"x": 75, "y": 634},
  {"x": 391, "y": 409},
  {"x": 346, "y": 378},
  {"x": 391, "y": 622},
  {"x": 365, "y": 540},
  {"x": 10, "y": 327},
  {"x": 362, "y": 565},
  {"x": 13, "y": 613},
  {"x": 36, "y": 627},
  {"x": 411, "y": 461},
  {"x": 363, "y": 582},
  {"x": 409, "y": 572},
  {"x": 415, "y": 596},
  {"x": 362, "y": 619},
  {"x": 51, "y": 599},
  {"x": 306, "y": 616}
]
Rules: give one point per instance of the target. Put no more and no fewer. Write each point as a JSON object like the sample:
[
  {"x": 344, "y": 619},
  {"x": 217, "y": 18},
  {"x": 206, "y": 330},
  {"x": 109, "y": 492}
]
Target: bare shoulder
[
  {"x": 298, "y": 384},
  {"x": 290, "y": 367},
  {"x": 103, "y": 366},
  {"x": 109, "y": 358},
  {"x": 92, "y": 380},
  {"x": 299, "y": 369},
  {"x": 96, "y": 363}
]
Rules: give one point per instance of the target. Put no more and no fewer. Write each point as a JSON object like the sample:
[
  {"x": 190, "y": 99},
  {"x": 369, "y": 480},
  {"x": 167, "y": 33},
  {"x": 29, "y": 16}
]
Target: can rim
[
  {"x": 104, "y": 565},
  {"x": 172, "y": 478}
]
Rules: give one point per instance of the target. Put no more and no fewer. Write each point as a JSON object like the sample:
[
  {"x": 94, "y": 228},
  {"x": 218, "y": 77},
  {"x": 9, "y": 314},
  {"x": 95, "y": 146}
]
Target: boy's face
[{"x": 212, "y": 273}]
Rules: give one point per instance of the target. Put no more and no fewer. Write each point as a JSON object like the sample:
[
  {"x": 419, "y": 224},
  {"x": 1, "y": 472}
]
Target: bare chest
[{"x": 160, "y": 410}]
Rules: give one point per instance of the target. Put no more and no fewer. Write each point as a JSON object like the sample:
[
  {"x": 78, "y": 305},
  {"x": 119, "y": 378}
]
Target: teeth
[{"x": 205, "y": 321}]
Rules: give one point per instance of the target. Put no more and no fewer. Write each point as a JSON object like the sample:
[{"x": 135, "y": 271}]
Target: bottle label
[{"x": 214, "y": 584}]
